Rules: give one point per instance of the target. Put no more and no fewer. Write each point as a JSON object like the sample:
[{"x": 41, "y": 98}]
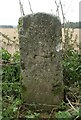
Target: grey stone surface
[{"x": 41, "y": 57}]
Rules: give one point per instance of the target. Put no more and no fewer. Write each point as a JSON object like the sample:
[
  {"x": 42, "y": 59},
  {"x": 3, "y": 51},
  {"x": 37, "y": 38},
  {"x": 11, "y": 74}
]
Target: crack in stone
[{"x": 46, "y": 55}]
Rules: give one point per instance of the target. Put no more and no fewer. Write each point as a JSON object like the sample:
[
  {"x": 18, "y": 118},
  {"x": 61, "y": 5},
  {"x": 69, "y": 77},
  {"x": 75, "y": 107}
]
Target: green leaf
[{"x": 63, "y": 114}]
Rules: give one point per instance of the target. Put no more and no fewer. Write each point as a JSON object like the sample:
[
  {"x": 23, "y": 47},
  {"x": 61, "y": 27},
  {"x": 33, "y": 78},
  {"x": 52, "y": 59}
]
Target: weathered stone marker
[{"x": 41, "y": 57}]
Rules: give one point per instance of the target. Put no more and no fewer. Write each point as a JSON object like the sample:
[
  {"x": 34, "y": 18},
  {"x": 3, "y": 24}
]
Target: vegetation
[
  {"x": 73, "y": 25},
  {"x": 7, "y": 26},
  {"x": 71, "y": 59}
]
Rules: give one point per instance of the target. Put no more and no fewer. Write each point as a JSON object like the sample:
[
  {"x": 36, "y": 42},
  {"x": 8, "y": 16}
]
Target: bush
[
  {"x": 71, "y": 58},
  {"x": 72, "y": 67},
  {"x": 10, "y": 67},
  {"x": 11, "y": 87},
  {"x": 5, "y": 55}
]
